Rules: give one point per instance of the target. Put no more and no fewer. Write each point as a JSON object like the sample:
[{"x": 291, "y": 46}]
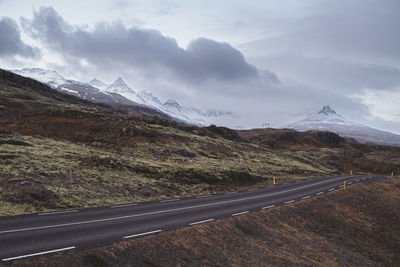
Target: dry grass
[
  {"x": 62, "y": 174},
  {"x": 353, "y": 227}
]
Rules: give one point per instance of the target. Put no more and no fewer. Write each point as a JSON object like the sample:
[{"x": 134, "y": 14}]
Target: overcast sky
[{"x": 273, "y": 60}]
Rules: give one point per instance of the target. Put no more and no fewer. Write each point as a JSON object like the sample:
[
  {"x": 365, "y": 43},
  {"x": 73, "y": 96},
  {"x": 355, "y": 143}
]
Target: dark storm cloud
[
  {"x": 10, "y": 40},
  {"x": 114, "y": 45}
]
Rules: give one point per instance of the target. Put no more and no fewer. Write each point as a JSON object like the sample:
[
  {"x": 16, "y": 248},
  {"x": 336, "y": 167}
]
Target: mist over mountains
[{"x": 119, "y": 92}]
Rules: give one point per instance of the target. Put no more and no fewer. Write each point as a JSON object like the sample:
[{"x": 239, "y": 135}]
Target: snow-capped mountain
[
  {"x": 79, "y": 89},
  {"x": 120, "y": 93},
  {"x": 328, "y": 120},
  {"x": 119, "y": 86},
  {"x": 98, "y": 84},
  {"x": 170, "y": 107},
  {"x": 50, "y": 77}
]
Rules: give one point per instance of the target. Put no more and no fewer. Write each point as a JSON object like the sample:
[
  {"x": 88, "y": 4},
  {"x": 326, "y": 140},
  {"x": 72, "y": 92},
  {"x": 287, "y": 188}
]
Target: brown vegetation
[{"x": 353, "y": 227}]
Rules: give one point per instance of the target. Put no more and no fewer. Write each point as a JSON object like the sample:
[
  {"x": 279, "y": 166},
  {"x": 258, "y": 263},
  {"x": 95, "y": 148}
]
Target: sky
[{"x": 273, "y": 61}]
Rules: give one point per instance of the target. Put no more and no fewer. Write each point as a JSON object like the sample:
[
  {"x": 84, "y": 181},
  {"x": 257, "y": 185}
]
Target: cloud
[
  {"x": 11, "y": 43},
  {"x": 112, "y": 45},
  {"x": 360, "y": 30},
  {"x": 342, "y": 75},
  {"x": 382, "y": 105}
]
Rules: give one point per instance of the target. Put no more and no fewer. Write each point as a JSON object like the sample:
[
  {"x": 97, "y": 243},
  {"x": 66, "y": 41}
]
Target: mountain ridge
[
  {"x": 328, "y": 119},
  {"x": 120, "y": 93}
]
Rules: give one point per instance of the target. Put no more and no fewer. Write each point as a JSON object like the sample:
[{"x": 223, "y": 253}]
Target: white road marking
[
  {"x": 162, "y": 211},
  {"x": 170, "y": 200},
  {"x": 357, "y": 180},
  {"x": 320, "y": 193},
  {"x": 231, "y": 193},
  {"x": 305, "y": 197},
  {"x": 123, "y": 205},
  {"x": 57, "y": 212},
  {"x": 349, "y": 182},
  {"x": 291, "y": 201},
  {"x": 142, "y": 234},
  {"x": 194, "y": 223},
  {"x": 268, "y": 207},
  {"x": 39, "y": 253},
  {"x": 240, "y": 213},
  {"x": 331, "y": 189},
  {"x": 253, "y": 189},
  {"x": 341, "y": 185},
  {"x": 204, "y": 196}
]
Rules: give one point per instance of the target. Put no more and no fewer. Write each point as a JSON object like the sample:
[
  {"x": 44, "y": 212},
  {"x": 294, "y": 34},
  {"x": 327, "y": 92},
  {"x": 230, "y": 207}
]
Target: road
[{"x": 36, "y": 234}]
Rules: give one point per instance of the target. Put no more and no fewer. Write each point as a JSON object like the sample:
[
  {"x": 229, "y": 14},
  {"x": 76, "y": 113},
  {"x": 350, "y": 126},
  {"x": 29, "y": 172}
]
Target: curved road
[{"x": 36, "y": 234}]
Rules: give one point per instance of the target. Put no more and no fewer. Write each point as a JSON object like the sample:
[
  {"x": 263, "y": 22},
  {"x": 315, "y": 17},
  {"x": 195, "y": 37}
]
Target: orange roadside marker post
[
  {"x": 351, "y": 172},
  {"x": 344, "y": 185},
  {"x": 274, "y": 180}
]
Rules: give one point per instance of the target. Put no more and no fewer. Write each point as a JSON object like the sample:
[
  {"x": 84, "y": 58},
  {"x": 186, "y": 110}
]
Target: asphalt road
[{"x": 36, "y": 234}]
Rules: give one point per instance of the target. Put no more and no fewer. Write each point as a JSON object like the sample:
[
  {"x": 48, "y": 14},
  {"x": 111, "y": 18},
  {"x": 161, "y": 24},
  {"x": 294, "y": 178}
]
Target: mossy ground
[{"x": 82, "y": 175}]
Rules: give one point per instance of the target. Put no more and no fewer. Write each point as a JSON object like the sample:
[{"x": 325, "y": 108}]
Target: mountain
[
  {"x": 328, "y": 120},
  {"x": 170, "y": 107},
  {"x": 119, "y": 86},
  {"x": 120, "y": 96},
  {"x": 91, "y": 93},
  {"x": 98, "y": 84},
  {"x": 79, "y": 89}
]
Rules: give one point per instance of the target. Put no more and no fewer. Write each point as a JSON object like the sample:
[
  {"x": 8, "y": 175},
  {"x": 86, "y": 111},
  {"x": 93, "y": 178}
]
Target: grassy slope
[
  {"x": 62, "y": 174},
  {"x": 353, "y": 227}
]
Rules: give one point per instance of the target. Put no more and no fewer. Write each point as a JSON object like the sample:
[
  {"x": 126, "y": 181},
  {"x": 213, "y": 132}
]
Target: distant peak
[
  {"x": 172, "y": 103},
  {"x": 119, "y": 86},
  {"x": 39, "y": 70},
  {"x": 98, "y": 84},
  {"x": 119, "y": 80},
  {"x": 327, "y": 110}
]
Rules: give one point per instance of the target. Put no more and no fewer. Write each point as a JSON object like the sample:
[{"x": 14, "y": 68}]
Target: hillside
[{"x": 58, "y": 151}]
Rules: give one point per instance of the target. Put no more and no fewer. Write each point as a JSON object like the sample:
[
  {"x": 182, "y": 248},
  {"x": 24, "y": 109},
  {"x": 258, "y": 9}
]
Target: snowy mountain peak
[
  {"x": 327, "y": 110},
  {"x": 326, "y": 115},
  {"x": 119, "y": 86},
  {"x": 40, "y": 71},
  {"x": 170, "y": 103},
  {"x": 98, "y": 84},
  {"x": 328, "y": 120},
  {"x": 46, "y": 76},
  {"x": 320, "y": 120},
  {"x": 119, "y": 81}
]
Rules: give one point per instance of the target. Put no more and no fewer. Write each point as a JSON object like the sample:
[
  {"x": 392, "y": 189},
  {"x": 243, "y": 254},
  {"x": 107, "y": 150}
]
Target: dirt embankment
[{"x": 358, "y": 226}]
